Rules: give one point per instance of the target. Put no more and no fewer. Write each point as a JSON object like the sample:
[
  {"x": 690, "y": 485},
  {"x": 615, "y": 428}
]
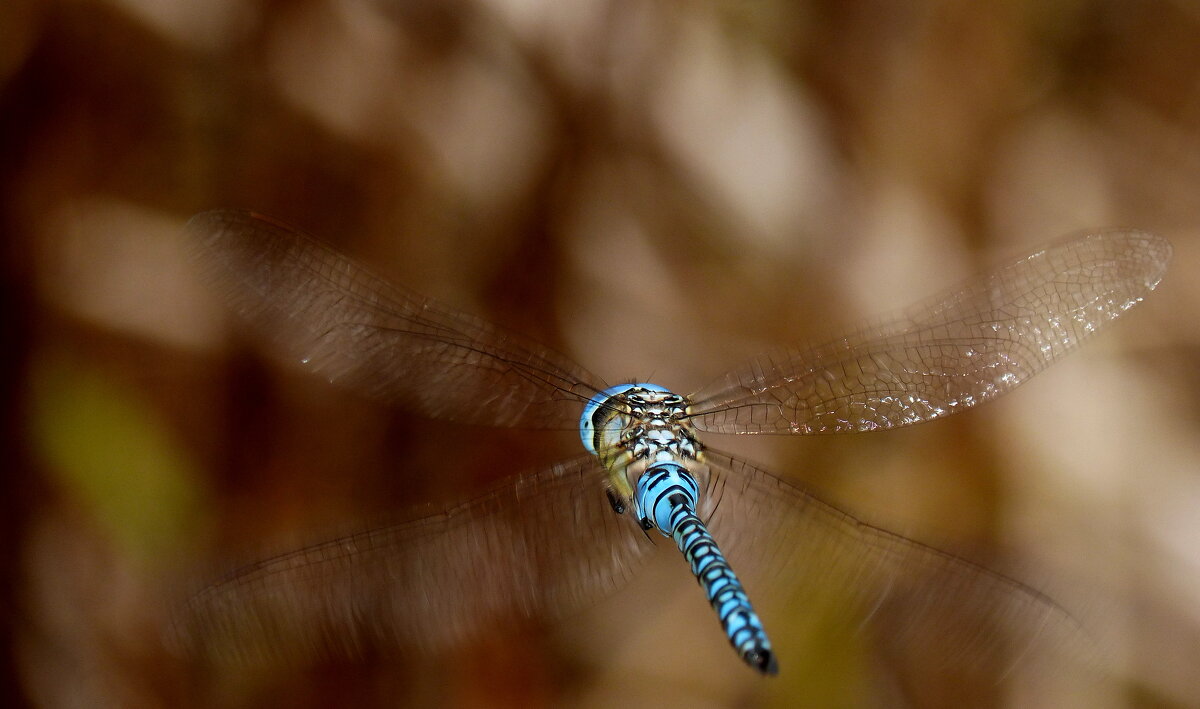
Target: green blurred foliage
[{"x": 107, "y": 450}]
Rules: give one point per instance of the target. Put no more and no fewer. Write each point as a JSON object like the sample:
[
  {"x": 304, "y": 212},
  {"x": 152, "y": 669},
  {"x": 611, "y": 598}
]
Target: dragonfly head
[{"x": 602, "y": 416}]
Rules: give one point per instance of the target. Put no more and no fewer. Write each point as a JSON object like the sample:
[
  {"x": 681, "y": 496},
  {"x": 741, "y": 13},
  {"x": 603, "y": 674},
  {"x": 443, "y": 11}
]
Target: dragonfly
[{"x": 547, "y": 543}]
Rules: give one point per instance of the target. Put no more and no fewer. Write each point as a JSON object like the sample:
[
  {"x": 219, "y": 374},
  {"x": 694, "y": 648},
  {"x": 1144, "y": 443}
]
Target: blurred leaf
[
  {"x": 108, "y": 450},
  {"x": 820, "y": 659}
]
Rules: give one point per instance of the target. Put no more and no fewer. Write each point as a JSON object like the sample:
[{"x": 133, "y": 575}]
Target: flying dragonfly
[{"x": 545, "y": 544}]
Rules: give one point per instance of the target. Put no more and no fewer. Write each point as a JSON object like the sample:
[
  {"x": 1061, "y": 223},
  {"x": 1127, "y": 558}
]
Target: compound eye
[{"x": 587, "y": 429}]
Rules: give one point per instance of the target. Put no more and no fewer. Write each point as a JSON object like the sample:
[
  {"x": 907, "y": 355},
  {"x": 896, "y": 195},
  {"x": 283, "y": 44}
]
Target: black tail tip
[{"x": 763, "y": 660}]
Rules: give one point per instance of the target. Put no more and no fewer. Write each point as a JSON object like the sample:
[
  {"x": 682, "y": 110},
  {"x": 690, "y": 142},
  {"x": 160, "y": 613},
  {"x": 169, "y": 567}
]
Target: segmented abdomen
[{"x": 666, "y": 494}]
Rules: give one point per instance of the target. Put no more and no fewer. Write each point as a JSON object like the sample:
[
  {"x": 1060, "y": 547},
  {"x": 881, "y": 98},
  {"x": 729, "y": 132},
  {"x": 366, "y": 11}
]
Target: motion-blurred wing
[
  {"x": 539, "y": 546},
  {"x": 946, "y": 353},
  {"x": 808, "y": 557},
  {"x": 324, "y": 311}
]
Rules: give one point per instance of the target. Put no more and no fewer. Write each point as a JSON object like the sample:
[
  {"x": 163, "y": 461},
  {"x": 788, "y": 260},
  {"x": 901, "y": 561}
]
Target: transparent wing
[
  {"x": 946, "y": 353},
  {"x": 539, "y": 546},
  {"x": 322, "y": 310},
  {"x": 811, "y": 558}
]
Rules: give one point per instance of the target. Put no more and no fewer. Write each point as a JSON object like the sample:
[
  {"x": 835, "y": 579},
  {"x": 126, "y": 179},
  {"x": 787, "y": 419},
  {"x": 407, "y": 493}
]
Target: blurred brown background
[{"x": 659, "y": 190}]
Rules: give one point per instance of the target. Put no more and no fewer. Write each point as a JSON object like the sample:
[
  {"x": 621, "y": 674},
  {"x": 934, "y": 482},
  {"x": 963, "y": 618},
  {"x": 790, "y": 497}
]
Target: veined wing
[
  {"x": 538, "y": 546},
  {"x": 333, "y": 316},
  {"x": 808, "y": 556},
  {"x": 946, "y": 353}
]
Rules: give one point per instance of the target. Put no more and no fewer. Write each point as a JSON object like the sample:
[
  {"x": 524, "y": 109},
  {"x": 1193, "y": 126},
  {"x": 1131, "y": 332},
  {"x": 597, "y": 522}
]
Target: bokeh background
[{"x": 657, "y": 189}]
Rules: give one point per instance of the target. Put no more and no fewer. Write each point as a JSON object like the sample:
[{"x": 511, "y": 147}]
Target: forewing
[
  {"x": 318, "y": 308},
  {"x": 946, "y": 353}
]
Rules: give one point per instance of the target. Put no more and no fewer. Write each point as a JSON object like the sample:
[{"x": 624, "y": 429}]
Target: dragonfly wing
[
  {"x": 539, "y": 546},
  {"x": 946, "y": 353},
  {"x": 808, "y": 556},
  {"x": 319, "y": 308}
]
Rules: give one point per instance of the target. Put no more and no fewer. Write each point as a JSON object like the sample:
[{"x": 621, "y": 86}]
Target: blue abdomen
[{"x": 666, "y": 497}]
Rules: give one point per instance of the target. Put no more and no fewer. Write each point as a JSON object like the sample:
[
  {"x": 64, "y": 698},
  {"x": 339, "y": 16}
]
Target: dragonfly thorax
[{"x": 632, "y": 427}]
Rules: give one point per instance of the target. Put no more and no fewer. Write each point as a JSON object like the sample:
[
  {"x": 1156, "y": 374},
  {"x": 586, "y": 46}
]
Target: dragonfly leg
[{"x": 618, "y": 504}]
